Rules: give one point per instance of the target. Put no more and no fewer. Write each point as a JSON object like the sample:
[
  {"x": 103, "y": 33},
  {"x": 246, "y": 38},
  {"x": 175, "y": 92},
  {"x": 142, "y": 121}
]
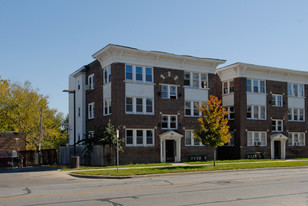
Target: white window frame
[
  {"x": 291, "y": 139},
  {"x": 275, "y": 98},
  {"x": 277, "y": 125},
  {"x": 259, "y": 112},
  {"x": 144, "y": 106},
  {"x": 107, "y": 105},
  {"x": 78, "y": 84},
  {"x": 199, "y": 80},
  {"x": 229, "y": 89},
  {"x": 91, "y": 110},
  {"x": 168, "y": 90},
  {"x": 228, "y": 108},
  {"x": 192, "y": 139},
  {"x": 291, "y": 93},
  {"x": 258, "y": 85},
  {"x": 107, "y": 79},
  {"x": 232, "y": 141},
  {"x": 192, "y": 108},
  {"x": 169, "y": 121},
  {"x": 144, "y": 68},
  {"x": 144, "y": 138},
  {"x": 257, "y": 138},
  {"x": 298, "y": 114},
  {"x": 91, "y": 81}
]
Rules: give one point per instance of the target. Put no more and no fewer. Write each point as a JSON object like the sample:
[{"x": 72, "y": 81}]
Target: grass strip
[
  {"x": 120, "y": 166},
  {"x": 195, "y": 168}
]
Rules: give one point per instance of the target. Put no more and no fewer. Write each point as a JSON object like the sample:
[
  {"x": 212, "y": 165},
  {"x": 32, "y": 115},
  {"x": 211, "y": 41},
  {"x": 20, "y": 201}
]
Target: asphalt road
[{"x": 259, "y": 187}]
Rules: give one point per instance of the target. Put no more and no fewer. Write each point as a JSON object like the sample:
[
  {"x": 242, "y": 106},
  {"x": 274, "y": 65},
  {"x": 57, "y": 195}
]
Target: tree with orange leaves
[{"x": 213, "y": 129}]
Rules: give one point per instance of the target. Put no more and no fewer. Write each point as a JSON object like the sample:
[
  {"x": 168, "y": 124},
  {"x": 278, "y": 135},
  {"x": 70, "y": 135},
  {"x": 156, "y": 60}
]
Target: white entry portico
[
  {"x": 278, "y": 137},
  {"x": 170, "y": 135}
]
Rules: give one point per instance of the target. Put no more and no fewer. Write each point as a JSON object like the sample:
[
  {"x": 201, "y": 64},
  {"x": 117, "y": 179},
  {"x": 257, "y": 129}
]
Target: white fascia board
[
  {"x": 262, "y": 72},
  {"x": 77, "y": 72},
  {"x": 115, "y": 53}
]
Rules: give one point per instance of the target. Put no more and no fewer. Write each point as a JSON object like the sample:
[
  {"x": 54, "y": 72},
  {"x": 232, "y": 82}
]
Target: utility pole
[{"x": 40, "y": 138}]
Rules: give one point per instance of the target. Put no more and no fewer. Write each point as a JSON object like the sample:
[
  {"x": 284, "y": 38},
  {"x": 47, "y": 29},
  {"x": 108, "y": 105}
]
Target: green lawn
[
  {"x": 193, "y": 168},
  {"x": 121, "y": 166}
]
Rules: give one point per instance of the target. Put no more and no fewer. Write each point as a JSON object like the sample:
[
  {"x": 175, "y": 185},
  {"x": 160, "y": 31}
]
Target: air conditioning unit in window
[{"x": 257, "y": 143}]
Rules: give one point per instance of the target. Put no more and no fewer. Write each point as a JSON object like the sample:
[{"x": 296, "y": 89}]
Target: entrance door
[
  {"x": 170, "y": 151},
  {"x": 277, "y": 152}
]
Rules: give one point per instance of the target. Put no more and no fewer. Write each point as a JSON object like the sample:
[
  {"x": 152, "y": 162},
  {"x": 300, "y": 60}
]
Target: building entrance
[{"x": 170, "y": 151}]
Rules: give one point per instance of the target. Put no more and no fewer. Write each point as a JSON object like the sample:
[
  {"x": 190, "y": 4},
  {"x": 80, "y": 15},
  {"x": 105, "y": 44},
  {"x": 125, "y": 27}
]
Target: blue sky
[{"x": 43, "y": 41}]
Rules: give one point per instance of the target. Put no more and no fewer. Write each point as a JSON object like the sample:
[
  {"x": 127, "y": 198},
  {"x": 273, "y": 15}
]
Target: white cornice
[
  {"x": 114, "y": 53},
  {"x": 262, "y": 72}
]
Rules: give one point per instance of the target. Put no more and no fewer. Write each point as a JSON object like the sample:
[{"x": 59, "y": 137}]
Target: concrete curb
[{"x": 181, "y": 173}]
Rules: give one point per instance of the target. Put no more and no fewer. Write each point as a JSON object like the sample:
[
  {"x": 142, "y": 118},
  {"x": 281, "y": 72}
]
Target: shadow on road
[{"x": 30, "y": 169}]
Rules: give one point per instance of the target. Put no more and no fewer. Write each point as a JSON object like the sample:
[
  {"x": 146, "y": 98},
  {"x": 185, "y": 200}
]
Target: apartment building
[
  {"x": 152, "y": 96},
  {"x": 267, "y": 108}
]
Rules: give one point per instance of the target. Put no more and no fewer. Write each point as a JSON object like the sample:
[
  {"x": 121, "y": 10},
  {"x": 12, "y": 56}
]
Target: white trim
[
  {"x": 91, "y": 110},
  {"x": 277, "y": 125},
  {"x": 91, "y": 81},
  {"x": 298, "y": 114},
  {"x": 170, "y": 135},
  {"x": 192, "y": 139},
  {"x": 169, "y": 90},
  {"x": 169, "y": 121},
  {"x": 144, "y": 105},
  {"x": 144, "y": 138},
  {"x": 292, "y": 142},
  {"x": 253, "y": 113},
  {"x": 256, "y": 137},
  {"x": 275, "y": 96}
]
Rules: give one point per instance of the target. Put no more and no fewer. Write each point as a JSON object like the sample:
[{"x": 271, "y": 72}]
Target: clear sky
[{"x": 43, "y": 41}]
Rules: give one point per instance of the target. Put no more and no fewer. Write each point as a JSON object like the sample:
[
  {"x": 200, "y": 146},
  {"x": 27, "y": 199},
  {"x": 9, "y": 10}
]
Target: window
[
  {"x": 277, "y": 125},
  {"x": 107, "y": 106},
  {"x": 91, "y": 110},
  {"x": 139, "y": 137},
  {"x": 139, "y": 105},
  {"x": 91, "y": 81},
  {"x": 192, "y": 108},
  {"x": 78, "y": 111},
  {"x": 230, "y": 112},
  {"x": 107, "y": 75},
  {"x": 255, "y": 86},
  {"x": 138, "y": 73},
  {"x": 296, "y": 139},
  {"x": 256, "y": 139},
  {"x": 228, "y": 87},
  {"x": 296, "y": 90},
  {"x": 295, "y": 114},
  {"x": 168, "y": 91},
  {"x": 277, "y": 100},
  {"x": 128, "y": 72},
  {"x": 169, "y": 121},
  {"x": 231, "y": 143},
  {"x": 190, "y": 140},
  {"x": 256, "y": 112},
  {"x": 78, "y": 84},
  {"x": 195, "y": 80}
]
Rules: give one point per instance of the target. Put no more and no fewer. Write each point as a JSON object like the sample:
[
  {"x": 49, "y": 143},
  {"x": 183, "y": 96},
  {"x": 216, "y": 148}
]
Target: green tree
[
  {"x": 213, "y": 129},
  {"x": 20, "y": 110}
]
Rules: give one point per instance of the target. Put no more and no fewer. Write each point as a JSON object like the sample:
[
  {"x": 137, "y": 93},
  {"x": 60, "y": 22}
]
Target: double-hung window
[
  {"x": 138, "y": 73},
  {"x": 256, "y": 112},
  {"x": 168, "y": 91},
  {"x": 190, "y": 140},
  {"x": 139, "y": 105},
  {"x": 295, "y": 114},
  {"x": 228, "y": 87},
  {"x": 107, "y": 106},
  {"x": 107, "y": 75},
  {"x": 277, "y": 125},
  {"x": 277, "y": 100},
  {"x": 91, "y": 81},
  {"x": 255, "y": 86},
  {"x": 256, "y": 139},
  {"x": 296, "y": 139},
  {"x": 195, "y": 80},
  {"x": 230, "y": 112},
  {"x": 192, "y": 108},
  {"x": 169, "y": 122},
  {"x": 139, "y": 137},
  {"x": 91, "y": 110},
  {"x": 296, "y": 90}
]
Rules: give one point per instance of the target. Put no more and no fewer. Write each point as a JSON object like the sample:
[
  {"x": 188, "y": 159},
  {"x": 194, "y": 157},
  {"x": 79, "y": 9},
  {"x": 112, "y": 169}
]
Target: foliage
[
  {"x": 213, "y": 129},
  {"x": 20, "y": 110}
]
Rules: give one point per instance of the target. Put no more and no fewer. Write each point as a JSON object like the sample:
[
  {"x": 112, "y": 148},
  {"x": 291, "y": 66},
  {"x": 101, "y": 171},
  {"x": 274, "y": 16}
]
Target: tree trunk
[{"x": 215, "y": 149}]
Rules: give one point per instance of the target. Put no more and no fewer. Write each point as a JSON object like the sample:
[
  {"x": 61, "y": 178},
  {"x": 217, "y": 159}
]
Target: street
[{"x": 257, "y": 187}]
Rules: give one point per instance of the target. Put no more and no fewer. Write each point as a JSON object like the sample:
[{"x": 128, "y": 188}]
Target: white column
[{"x": 283, "y": 149}]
